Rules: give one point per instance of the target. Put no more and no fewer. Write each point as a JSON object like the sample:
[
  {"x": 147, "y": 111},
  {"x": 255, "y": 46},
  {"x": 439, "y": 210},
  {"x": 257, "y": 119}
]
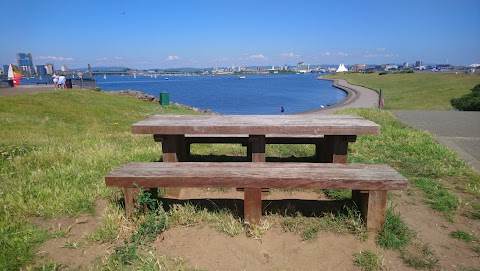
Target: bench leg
[
  {"x": 130, "y": 194},
  {"x": 372, "y": 207},
  {"x": 335, "y": 149},
  {"x": 252, "y": 205}
]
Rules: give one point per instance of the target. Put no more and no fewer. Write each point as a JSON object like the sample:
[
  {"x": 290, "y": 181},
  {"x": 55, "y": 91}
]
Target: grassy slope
[
  {"x": 55, "y": 149},
  {"x": 415, "y": 91}
]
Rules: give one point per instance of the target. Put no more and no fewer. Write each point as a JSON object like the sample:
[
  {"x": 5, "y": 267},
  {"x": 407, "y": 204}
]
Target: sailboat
[
  {"x": 14, "y": 74},
  {"x": 104, "y": 76}
]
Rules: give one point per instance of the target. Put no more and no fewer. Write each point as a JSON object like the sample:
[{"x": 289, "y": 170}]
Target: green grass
[
  {"x": 415, "y": 91},
  {"x": 57, "y": 147},
  {"x": 368, "y": 261}
]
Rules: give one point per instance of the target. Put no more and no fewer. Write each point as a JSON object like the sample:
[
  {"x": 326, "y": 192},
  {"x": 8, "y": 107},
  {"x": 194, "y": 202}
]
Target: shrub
[{"x": 468, "y": 102}]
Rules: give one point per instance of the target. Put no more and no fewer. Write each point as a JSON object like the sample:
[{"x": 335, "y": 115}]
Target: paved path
[{"x": 458, "y": 130}]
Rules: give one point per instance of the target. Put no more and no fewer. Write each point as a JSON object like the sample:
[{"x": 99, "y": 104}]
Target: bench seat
[{"x": 369, "y": 182}]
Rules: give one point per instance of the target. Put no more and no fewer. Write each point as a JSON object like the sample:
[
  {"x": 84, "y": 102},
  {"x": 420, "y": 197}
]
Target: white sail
[{"x": 10, "y": 72}]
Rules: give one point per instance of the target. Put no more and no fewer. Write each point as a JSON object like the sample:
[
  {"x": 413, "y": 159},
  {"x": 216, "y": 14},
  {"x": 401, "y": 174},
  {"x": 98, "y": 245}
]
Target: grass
[
  {"x": 368, "y": 261},
  {"x": 57, "y": 147},
  {"x": 415, "y": 91}
]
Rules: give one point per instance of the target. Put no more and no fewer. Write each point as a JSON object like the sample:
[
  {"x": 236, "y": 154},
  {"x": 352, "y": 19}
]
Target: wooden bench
[{"x": 369, "y": 183}]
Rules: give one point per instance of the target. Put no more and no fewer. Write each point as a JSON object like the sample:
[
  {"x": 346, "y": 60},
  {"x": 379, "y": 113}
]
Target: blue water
[{"x": 226, "y": 94}]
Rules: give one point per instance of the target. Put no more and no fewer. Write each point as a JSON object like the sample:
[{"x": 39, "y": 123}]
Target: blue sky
[{"x": 172, "y": 34}]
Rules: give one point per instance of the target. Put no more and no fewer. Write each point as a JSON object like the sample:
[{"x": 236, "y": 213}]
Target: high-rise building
[
  {"x": 418, "y": 63},
  {"x": 303, "y": 67},
  {"x": 50, "y": 69},
  {"x": 64, "y": 68},
  {"x": 25, "y": 64},
  {"x": 41, "y": 70}
]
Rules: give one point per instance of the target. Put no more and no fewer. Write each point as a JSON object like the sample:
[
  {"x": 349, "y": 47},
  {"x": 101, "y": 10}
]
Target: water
[{"x": 226, "y": 94}]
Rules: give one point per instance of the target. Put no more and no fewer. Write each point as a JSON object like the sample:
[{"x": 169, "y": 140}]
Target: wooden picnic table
[{"x": 336, "y": 130}]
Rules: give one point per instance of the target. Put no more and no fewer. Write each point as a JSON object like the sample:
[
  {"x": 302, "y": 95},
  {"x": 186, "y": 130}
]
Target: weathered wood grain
[
  {"x": 257, "y": 175},
  {"x": 256, "y": 125}
]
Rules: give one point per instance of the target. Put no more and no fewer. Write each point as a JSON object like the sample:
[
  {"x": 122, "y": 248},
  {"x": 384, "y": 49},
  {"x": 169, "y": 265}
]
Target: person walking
[{"x": 282, "y": 111}]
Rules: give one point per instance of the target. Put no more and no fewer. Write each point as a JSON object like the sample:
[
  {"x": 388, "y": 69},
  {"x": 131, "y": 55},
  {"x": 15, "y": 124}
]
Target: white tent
[{"x": 341, "y": 68}]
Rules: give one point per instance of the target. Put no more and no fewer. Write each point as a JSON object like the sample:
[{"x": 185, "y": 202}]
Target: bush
[
  {"x": 468, "y": 102},
  {"x": 382, "y": 73}
]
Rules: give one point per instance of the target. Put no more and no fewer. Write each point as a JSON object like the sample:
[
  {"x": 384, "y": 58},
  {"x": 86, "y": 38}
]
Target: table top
[{"x": 301, "y": 124}]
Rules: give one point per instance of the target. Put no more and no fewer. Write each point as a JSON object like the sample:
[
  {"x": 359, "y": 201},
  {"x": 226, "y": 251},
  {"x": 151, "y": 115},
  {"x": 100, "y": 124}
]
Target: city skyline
[{"x": 151, "y": 34}]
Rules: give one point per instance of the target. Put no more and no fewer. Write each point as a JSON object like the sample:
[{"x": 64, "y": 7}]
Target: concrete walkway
[{"x": 458, "y": 130}]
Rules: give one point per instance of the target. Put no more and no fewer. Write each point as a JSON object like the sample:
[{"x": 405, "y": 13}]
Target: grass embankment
[
  {"x": 415, "y": 91},
  {"x": 57, "y": 147}
]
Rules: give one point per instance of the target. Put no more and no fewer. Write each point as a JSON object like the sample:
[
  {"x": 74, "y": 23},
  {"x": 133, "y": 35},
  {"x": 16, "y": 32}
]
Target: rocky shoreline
[{"x": 150, "y": 98}]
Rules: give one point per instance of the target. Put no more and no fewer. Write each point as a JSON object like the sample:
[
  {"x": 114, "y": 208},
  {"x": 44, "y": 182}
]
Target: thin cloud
[
  {"x": 290, "y": 55},
  {"x": 117, "y": 58},
  {"x": 373, "y": 55},
  {"x": 257, "y": 56},
  {"x": 59, "y": 58},
  {"x": 171, "y": 58}
]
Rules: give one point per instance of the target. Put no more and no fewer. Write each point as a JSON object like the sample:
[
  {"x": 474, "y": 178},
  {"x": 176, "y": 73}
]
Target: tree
[{"x": 468, "y": 102}]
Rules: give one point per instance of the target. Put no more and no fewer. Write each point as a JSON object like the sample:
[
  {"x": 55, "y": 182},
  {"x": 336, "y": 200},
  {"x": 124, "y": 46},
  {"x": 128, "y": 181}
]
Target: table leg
[
  {"x": 253, "y": 196},
  {"x": 335, "y": 149},
  {"x": 174, "y": 150}
]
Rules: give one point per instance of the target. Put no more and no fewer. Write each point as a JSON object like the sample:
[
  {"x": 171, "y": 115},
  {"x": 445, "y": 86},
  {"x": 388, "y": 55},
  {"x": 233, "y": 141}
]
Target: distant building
[
  {"x": 25, "y": 64},
  {"x": 64, "y": 68},
  {"x": 357, "y": 67},
  {"x": 41, "y": 70},
  {"x": 50, "y": 68},
  {"x": 406, "y": 65},
  {"x": 303, "y": 67},
  {"x": 342, "y": 68},
  {"x": 5, "y": 69},
  {"x": 388, "y": 67},
  {"x": 418, "y": 63}
]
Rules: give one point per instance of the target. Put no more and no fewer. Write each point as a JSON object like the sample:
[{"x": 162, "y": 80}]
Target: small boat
[
  {"x": 104, "y": 76},
  {"x": 166, "y": 78},
  {"x": 241, "y": 77}
]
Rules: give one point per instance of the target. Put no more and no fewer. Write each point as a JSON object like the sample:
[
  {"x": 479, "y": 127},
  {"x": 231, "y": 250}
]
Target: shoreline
[{"x": 357, "y": 97}]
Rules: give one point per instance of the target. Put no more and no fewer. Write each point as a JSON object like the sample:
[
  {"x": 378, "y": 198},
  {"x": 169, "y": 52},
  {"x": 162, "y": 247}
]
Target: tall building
[
  {"x": 25, "y": 64},
  {"x": 418, "y": 63},
  {"x": 50, "y": 69},
  {"x": 41, "y": 70}
]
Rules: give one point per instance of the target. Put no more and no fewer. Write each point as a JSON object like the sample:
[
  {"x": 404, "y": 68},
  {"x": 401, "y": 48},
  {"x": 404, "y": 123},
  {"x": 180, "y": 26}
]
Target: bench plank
[
  {"x": 369, "y": 182},
  {"x": 257, "y": 175}
]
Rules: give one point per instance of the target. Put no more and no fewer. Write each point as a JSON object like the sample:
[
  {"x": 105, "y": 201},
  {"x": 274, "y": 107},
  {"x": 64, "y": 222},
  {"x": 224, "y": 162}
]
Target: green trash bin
[{"x": 164, "y": 98}]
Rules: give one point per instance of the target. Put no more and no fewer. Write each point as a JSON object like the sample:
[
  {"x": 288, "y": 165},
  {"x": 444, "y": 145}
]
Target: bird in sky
[{"x": 123, "y": 13}]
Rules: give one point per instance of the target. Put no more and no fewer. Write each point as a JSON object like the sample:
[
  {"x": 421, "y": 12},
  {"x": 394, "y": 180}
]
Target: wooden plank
[
  {"x": 257, "y": 175},
  {"x": 256, "y": 124}
]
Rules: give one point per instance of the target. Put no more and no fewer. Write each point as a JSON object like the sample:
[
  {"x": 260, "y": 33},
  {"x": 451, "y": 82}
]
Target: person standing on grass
[
  {"x": 55, "y": 81},
  {"x": 61, "y": 82}
]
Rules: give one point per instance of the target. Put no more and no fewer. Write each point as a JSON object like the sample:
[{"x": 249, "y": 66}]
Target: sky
[{"x": 149, "y": 34}]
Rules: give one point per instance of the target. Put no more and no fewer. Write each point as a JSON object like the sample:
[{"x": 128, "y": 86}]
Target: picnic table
[{"x": 331, "y": 133}]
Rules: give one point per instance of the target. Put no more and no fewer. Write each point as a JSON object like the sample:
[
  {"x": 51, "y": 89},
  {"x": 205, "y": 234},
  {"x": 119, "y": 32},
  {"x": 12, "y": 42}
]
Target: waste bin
[
  {"x": 68, "y": 82},
  {"x": 164, "y": 98}
]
